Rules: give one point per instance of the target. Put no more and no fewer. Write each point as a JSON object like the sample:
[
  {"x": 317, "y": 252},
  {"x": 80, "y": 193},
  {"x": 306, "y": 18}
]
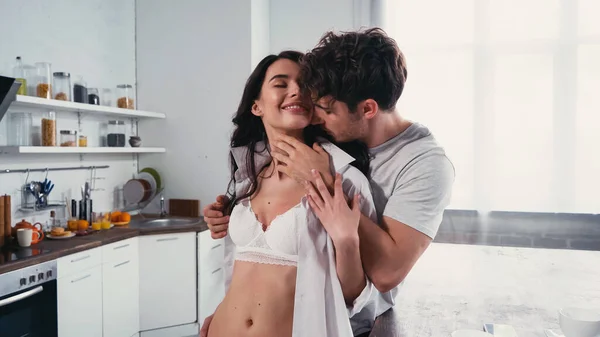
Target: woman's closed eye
[{"x": 280, "y": 85}]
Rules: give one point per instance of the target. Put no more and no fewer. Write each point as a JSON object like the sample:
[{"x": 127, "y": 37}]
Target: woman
[{"x": 281, "y": 275}]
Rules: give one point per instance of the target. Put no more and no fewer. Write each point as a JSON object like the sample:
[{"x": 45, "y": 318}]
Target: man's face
[{"x": 337, "y": 119}]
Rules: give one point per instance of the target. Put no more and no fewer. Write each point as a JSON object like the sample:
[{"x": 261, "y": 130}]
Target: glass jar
[
  {"x": 19, "y": 74},
  {"x": 43, "y": 87},
  {"x": 106, "y": 97},
  {"x": 125, "y": 96},
  {"x": 68, "y": 138},
  {"x": 93, "y": 96},
  {"x": 19, "y": 129},
  {"x": 115, "y": 136},
  {"x": 62, "y": 86},
  {"x": 80, "y": 93},
  {"x": 49, "y": 129},
  {"x": 82, "y": 140}
]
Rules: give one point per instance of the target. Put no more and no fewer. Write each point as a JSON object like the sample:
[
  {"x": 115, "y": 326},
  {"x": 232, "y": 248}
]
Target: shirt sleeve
[
  {"x": 354, "y": 182},
  {"x": 421, "y": 194}
]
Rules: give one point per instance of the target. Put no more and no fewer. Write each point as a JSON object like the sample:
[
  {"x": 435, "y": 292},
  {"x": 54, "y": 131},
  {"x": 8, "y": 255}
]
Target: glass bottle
[{"x": 19, "y": 74}]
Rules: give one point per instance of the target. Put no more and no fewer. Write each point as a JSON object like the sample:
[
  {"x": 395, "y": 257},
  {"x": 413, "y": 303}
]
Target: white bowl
[
  {"x": 577, "y": 322},
  {"x": 470, "y": 333}
]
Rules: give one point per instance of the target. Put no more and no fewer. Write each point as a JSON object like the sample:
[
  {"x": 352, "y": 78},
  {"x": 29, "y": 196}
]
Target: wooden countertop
[{"x": 48, "y": 249}]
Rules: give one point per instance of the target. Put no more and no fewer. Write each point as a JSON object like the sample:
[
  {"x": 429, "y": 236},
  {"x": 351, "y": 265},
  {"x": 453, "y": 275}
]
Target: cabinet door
[
  {"x": 211, "y": 279},
  {"x": 168, "y": 293},
  {"x": 79, "y": 304},
  {"x": 120, "y": 283}
]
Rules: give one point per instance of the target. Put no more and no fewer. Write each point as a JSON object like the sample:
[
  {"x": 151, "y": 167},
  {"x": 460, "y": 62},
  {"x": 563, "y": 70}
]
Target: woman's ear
[{"x": 256, "y": 111}]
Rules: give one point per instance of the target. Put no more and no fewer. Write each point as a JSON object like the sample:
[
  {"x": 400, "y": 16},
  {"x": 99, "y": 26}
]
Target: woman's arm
[{"x": 341, "y": 223}]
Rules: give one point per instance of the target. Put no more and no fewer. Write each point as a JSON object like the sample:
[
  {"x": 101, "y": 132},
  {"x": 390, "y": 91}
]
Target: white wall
[
  {"x": 93, "y": 38},
  {"x": 193, "y": 58},
  {"x": 300, "y": 24}
]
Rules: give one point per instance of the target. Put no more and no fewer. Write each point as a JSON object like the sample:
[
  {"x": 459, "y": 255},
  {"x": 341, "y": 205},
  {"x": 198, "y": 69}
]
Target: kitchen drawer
[
  {"x": 74, "y": 263},
  {"x": 120, "y": 251}
]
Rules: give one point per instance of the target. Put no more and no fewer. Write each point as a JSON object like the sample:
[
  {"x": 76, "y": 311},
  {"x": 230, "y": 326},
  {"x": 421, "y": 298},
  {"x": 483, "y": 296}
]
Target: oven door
[{"x": 30, "y": 312}]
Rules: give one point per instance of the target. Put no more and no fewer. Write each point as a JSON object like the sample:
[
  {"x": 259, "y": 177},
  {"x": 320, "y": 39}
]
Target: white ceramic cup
[
  {"x": 579, "y": 322},
  {"x": 24, "y": 236}
]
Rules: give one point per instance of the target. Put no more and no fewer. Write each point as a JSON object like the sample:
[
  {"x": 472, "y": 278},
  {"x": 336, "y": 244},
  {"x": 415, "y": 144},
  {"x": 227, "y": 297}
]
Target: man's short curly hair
[{"x": 355, "y": 66}]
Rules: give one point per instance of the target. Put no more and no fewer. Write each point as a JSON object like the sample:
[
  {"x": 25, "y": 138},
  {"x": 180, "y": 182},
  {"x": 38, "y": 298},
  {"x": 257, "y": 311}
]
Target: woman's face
[{"x": 280, "y": 105}]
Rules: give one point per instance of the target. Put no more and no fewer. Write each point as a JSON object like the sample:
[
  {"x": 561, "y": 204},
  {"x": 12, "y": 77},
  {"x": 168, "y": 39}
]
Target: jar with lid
[
  {"x": 80, "y": 93},
  {"x": 49, "y": 129},
  {"x": 43, "y": 87},
  {"x": 93, "y": 96},
  {"x": 82, "y": 140},
  {"x": 68, "y": 138},
  {"x": 115, "y": 134},
  {"x": 62, "y": 86},
  {"x": 124, "y": 96},
  {"x": 19, "y": 74}
]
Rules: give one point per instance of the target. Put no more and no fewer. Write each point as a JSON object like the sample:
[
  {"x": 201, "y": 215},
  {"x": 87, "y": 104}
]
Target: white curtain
[{"x": 511, "y": 88}]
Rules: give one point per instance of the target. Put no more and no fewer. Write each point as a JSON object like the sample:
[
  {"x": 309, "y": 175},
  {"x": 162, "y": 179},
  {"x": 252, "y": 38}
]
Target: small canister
[
  {"x": 62, "y": 86},
  {"x": 68, "y": 138}
]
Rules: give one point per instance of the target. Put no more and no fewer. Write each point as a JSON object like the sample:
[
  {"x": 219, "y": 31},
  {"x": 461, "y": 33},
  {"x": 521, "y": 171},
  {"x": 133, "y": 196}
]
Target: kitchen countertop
[
  {"x": 47, "y": 250},
  {"x": 462, "y": 287}
]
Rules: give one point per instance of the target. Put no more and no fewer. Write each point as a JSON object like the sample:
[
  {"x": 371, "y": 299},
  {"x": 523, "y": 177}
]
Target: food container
[
  {"x": 106, "y": 97},
  {"x": 82, "y": 140},
  {"x": 80, "y": 93},
  {"x": 72, "y": 224},
  {"x": 68, "y": 138},
  {"x": 93, "y": 96},
  {"x": 124, "y": 96},
  {"x": 43, "y": 87},
  {"x": 62, "y": 86},
  {"x": 19, "y": 130},
  {"x": 115, "y": 136},
  {"x": 49, "y": 129}
]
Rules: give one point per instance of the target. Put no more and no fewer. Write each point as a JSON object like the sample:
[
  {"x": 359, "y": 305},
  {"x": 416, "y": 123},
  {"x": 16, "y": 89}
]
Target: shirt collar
[{"x": 339, "y": 157}]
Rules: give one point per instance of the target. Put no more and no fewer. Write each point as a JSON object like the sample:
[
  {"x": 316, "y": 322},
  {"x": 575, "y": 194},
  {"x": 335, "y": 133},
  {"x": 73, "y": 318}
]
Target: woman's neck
[{"x": 273, "y": 136}]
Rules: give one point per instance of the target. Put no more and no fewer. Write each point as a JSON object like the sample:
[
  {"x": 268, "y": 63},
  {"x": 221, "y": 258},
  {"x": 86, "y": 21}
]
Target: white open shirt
[{"x": 319, "y": 306}]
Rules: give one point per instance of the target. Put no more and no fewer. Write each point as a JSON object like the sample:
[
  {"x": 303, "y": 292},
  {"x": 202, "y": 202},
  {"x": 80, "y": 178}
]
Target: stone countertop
[
  {"x": 49, "y": 249},
  {"x": 462, "y": 287}
]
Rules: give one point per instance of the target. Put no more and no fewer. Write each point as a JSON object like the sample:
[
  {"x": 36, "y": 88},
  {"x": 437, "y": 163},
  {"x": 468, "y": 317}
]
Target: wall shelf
[
  {"x": 37, "y": 103},
  {"x": 77, "y": 150}
]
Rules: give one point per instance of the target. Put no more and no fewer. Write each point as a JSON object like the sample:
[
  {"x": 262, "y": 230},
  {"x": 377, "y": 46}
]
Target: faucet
[{"x": 163, "y": 212}]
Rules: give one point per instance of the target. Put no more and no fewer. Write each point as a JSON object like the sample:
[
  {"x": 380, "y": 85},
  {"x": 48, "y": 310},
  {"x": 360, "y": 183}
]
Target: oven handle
[{"x": 21, "y": 296}]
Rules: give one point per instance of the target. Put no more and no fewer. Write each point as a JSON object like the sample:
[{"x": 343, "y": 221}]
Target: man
[{"x": 355, "y": 80}]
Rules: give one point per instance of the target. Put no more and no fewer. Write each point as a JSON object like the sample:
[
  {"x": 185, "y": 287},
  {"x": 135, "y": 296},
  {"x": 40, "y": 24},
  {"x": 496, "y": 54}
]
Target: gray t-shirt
[{"x": 411, "y": 179}]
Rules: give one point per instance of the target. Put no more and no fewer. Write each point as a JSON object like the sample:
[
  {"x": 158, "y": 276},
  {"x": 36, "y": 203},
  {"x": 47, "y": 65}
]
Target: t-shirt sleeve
[
  {"x": 354, "y": 182},
  {"x": 421, "y": 194}
]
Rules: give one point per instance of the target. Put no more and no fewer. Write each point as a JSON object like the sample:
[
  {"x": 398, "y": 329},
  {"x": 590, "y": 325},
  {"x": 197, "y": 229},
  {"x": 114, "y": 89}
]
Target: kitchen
[{"x": 184, "y": 79}]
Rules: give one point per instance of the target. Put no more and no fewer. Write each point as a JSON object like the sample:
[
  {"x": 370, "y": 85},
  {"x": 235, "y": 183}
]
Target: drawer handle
[
  {"x": 217, "y": 246},
  {"x": 216, "y": 270},
  {"x": 81, "y": 258},
  {"x": 81, "y": 278},
  {"x": 122, "y": 263},
  {"x": 123, "y": 246},
  {"x": 167, "y": 239}
]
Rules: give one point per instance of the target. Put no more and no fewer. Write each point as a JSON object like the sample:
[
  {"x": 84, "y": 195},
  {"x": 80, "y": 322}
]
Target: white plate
[{"x": 50, "y": 236}]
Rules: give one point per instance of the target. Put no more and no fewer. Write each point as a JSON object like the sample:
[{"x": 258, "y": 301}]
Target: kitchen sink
[{"x": 164, "y": 222}]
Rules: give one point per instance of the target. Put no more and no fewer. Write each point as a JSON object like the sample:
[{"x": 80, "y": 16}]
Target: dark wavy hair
[
  {"x": 250, "y": 130},
  {"x": 355, "y": 66}
]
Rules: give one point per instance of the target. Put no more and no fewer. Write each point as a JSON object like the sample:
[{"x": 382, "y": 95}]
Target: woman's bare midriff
[{"x": 259, "y": 303}]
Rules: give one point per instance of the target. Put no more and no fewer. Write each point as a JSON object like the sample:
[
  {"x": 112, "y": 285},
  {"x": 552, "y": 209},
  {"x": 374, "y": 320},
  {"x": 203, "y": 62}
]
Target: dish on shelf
[{"x": 154, "y": 174}]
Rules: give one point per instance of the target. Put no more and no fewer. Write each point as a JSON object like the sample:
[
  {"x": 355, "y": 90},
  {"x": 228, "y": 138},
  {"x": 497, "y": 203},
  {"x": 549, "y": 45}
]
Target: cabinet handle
[
  {"x": 216, "y": 246},
  {"x": 81, "y": 258},
  {"x": 167, "y": 239},
  {"x": 81, "y": 278},
  {"x": 216, "y": 270},
  {"x": 122, "y": 263},
  {"x": 123, "y": 246}
]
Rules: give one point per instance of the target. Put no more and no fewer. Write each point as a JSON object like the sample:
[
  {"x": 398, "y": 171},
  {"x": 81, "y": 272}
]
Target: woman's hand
[{"x": 339, "y": 219}]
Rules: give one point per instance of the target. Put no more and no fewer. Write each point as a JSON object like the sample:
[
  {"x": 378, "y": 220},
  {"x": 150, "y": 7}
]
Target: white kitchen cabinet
[
  {"x": 188, "y": 330},
  {"x": 120, "y": 289},
  {"x": 167, "y": 280},
  {"x": 211, "y": 278},
  {"x": 79, "y": 303}
]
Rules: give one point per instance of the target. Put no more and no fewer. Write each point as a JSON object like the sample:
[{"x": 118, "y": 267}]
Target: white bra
[{"x": 278, "y": 244}]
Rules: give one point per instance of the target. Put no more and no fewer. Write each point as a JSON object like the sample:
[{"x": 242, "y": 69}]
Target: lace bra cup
[{"x": 277, "y": 245}]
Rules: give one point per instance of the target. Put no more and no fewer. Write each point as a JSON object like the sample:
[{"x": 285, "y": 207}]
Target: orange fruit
[
  {"x": 115, "y": 216},
  {"x": 125, "y": 217},
  {"x": 82, "y": 224}
]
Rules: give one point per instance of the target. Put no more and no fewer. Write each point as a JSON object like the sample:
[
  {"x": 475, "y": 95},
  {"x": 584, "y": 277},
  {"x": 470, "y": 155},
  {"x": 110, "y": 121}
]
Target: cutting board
[{"x": 184, "y": 207}]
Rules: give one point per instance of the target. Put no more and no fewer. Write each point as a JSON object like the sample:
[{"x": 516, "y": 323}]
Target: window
[{"x": 511, "y": 88}]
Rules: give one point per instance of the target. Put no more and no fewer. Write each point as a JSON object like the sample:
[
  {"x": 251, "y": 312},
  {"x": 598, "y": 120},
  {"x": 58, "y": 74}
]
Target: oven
[{"x": 28, "y": 302}]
